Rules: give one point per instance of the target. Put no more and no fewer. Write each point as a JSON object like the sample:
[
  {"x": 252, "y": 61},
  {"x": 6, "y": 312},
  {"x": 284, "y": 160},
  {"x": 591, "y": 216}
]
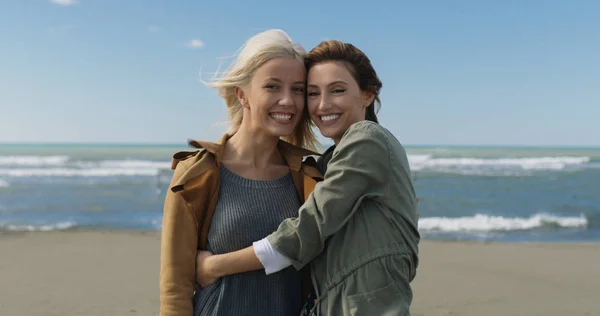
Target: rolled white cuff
[{"x": 272, "y": 260}]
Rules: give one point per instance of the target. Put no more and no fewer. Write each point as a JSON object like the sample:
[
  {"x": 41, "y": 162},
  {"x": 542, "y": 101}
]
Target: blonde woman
[{"x": 230, "y": 193}]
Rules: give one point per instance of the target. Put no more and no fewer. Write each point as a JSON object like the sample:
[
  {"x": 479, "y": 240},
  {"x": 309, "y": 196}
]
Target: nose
[
  {"x": 287, "y": 99},
  {"x": 325, "y": 103}
]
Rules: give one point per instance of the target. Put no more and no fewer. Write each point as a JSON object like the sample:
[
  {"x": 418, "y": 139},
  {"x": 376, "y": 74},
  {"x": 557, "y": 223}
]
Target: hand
[{"x": 205, "y": 268}]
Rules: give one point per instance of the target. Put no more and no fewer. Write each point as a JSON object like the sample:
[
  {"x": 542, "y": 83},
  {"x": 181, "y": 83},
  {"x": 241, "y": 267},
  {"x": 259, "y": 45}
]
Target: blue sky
[{"x": 454, "y": 72}]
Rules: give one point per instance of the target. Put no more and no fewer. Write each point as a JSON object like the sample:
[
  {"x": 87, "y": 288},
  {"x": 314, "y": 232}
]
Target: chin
[
  {"x": 328, "y": 134},
  {"x": 281, "y": 132}
]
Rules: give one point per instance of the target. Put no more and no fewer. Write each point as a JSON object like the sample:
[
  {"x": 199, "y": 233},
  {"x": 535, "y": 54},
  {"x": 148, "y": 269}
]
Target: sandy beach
[{"x": 116, "y": 273}]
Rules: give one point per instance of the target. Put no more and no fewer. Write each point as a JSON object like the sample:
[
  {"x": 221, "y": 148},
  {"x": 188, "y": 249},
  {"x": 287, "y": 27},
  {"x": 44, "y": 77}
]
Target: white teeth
[
  {"x": 282, "y": 117},
  {"x": 331, "y": 117}
]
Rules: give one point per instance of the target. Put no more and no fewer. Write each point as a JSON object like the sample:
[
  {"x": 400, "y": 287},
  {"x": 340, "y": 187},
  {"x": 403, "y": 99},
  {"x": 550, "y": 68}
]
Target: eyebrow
[
  {"x": 331, "y": 84},
  {"x": 279, "y": 81}
]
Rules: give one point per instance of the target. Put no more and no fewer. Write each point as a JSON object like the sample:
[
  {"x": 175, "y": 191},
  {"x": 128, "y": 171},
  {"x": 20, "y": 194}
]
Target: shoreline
[
  {"x": 108, "y": 272},
  {"x": 103, "y": 229}
]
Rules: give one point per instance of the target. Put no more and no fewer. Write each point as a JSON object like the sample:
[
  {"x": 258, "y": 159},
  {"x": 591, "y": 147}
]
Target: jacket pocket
[{"x": 384, "y": 301}]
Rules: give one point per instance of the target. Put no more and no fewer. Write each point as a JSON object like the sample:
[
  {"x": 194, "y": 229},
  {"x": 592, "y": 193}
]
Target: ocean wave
[
  {"x": 59, "y": 160},
  {"x": 41, "y": 228},
  {"x": 488, "y": 223},
  {"x": 33, "y": 160},
  {"x": 474, "y": 165},
  {"x": 126, "y": 164},
  {"x": 64, "y": 166},
  {"x": 4, "y": 184},
  {"x": 71, "y": 172}
]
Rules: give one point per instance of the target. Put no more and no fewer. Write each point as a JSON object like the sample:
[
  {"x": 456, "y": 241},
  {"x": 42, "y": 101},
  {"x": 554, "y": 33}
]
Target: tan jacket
[{"x": 188, "y": 210}]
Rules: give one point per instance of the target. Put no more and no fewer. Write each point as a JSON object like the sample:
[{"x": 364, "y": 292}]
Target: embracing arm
[
  {"x": 179, "y": 241},
  {"x": 260, "y": 255},
  {"x": 210, "y": 267},
  {"x": 358, "y": 169}
]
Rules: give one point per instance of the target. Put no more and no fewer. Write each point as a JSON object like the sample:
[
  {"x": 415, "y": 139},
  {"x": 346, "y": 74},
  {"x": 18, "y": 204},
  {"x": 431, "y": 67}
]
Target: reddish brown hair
[{"x": 358, "y": 63}]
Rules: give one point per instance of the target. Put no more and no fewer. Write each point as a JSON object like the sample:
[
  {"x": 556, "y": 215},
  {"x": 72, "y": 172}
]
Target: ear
[
  {"x": 368, "y": 98},
  {"x": 241, "y": 96}
]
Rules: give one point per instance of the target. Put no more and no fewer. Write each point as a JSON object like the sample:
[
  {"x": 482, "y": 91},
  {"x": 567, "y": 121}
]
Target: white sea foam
[
  {"x": 124, "y": 164},
  {"x": 4, "y": 184},
  {"x": 157, "y": 223},
  {"x": 62, "y": 166},
  {"x": 428, "y": 162},
  {"x": 49, "y": 227},
  {"x": 135, "y": 164},
  {"x": 480, "y": 222},
  {"x": 33, "y": 160},
  {"x": 71, "y": 172}
]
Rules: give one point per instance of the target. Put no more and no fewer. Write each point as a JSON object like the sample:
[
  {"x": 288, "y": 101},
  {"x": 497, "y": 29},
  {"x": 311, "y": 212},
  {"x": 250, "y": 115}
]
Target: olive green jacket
[{"x": 358, "y": 228}]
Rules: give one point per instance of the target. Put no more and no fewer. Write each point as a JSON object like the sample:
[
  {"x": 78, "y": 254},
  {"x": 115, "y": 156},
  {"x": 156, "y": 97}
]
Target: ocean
[{"x": 466, "y": 193}]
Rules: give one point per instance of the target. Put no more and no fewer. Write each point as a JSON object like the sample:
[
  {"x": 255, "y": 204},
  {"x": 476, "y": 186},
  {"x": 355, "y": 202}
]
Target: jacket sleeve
[
  {"x": 179, "y": 243},
  {"x": 358, "y": 169}
]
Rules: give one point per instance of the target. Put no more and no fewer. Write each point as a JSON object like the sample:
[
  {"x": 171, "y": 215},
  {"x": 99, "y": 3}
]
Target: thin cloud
[
  {"x": 195, "y": 43},
  {"x": 153, "y": 28},
  {"x": 65, "y": 2}
]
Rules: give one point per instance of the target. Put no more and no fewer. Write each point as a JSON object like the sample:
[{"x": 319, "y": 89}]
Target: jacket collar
[{"x": 214, "y": 148}]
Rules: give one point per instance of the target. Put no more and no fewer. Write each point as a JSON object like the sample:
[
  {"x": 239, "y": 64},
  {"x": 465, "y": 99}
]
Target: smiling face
[
  {"x": 274, "y": 101},
  {"x": 335, "y": 100}
]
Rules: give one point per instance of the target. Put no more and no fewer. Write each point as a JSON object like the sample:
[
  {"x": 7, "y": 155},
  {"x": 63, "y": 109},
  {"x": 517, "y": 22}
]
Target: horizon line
[{"x": 120, "y": 144}]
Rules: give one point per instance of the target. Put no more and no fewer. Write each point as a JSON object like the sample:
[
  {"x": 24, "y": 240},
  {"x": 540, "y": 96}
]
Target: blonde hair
[{"x": 257, "y": 50}]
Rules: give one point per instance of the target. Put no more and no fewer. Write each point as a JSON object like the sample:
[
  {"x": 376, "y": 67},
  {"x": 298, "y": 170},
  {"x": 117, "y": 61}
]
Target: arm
[
  {"x": 179, "y": 241},
  {"x": 358, "y": 169},
  {"x": 211, "y": 267},
  {"x": 260, "y": 255}
]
